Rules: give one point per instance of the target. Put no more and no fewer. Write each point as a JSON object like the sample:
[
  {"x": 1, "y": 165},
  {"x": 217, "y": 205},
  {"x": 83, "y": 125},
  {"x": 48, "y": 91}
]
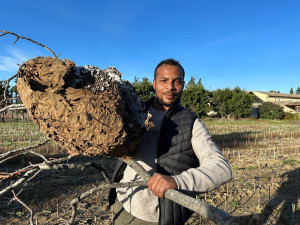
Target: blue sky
[{"x": 251, "y": 44}]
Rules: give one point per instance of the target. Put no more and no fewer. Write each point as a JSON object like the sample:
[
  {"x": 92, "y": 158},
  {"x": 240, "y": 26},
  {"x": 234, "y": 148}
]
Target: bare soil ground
[
  {"x": 50, "y": 193},
  {"x": 266, "y": 182}
]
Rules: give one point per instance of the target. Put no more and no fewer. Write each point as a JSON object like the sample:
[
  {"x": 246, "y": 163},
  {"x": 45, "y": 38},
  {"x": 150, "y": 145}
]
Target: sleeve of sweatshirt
[{"x": 214, "y": 169}]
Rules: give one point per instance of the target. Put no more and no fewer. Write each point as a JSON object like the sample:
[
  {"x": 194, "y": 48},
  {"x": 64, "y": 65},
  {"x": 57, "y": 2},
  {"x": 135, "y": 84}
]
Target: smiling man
[
  {"x": 168, "y": 84},
  {"x": 178, "y": 152}
]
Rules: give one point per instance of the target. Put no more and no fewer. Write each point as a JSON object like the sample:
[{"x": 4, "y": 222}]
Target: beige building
[{"x": 290, "y": 102}]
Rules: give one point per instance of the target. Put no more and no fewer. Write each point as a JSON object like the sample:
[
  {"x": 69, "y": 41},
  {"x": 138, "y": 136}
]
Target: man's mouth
[{"x": 170, "y": 95}]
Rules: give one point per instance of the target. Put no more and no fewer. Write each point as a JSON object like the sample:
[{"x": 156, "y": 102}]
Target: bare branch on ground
[
  {"x": 12, "y": 107},
  {"x": 214, "y": 214},
  {"x": 26, "y": 206},
  {"x": 101, "y": 187},
  {"x": 8, "y": 155}
]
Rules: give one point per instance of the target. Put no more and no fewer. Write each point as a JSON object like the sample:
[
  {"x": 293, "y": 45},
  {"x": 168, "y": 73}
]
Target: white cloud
[{"x": 14, "y": 56}]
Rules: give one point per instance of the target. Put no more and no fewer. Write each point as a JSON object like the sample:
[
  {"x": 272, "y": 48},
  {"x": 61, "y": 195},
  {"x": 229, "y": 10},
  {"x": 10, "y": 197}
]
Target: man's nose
[{"x": 171, "y": 85}]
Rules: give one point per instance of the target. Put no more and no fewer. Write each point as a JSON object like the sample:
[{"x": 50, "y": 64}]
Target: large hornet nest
[{"x": 84, "y": 109}]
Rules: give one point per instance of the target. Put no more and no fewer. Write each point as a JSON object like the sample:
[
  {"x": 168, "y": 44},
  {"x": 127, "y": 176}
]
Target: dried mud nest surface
[{"x": 85, "y": 109}]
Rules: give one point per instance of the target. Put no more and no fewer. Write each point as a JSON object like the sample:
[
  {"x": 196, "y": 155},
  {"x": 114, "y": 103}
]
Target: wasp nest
[{"x": 84, "y": 109}]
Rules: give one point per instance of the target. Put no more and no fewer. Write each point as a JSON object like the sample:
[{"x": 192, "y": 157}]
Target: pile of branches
[{"x": 30, "y": 172}]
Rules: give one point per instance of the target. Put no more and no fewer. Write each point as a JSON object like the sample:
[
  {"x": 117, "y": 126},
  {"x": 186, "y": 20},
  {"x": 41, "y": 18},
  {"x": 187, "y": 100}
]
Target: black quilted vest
[{"x": 174, "y": 155}]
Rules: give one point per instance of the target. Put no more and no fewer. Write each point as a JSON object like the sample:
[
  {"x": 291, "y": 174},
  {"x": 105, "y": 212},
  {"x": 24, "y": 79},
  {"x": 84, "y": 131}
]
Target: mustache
[{"x": 170, "y": 93}]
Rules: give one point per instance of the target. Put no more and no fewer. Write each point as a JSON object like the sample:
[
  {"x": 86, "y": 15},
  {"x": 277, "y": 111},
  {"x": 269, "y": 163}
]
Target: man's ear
[{"x": 153, "y": 84}]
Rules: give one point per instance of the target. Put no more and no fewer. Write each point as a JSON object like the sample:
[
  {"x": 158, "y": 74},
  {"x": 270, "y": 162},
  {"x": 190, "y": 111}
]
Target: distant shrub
[
  {"x": 291, "y": 116},
  {"x": 288, "y": 116},
  {"x": 269, "y": 110}
]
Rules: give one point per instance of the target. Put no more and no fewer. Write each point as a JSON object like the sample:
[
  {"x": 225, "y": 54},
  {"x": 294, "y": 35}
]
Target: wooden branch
[
  {"x": 214, "y": 214},
  {"x": 34, "y": 175},
  {"x": 11, "y": 153},
  {"x": 8, "y": 100},
  {"x": 7, "y": 82},
  {"x": 6, "y": 85},
  {"x": 39, "y": 155},
  {"x": 12, "y": 107},
  {"x": 46, "y": 165},
  {"x": 29, "y": 170},
  {"x": 28, "y": 39},
  {"x": 23, "y": 204},
  {"x": 80, "y": 166},
  {"x": 101, "y": 187},
  {"x": 9, "y": 79},
  {"x": 18, "y": 182}
]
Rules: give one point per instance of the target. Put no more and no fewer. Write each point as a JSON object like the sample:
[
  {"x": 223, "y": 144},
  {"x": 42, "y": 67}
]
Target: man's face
[{"x": 168, "y": 85}]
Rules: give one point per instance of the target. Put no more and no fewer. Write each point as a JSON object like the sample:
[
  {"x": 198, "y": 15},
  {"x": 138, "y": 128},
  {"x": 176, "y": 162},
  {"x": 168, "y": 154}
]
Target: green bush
[
  {"x": 196, "y": 98},
  {"x": 143, "y": 88},
  {"x": 269, "y": 110},
  {"x": 291, "y": 116},
  {"x": 288, "y": 116}
]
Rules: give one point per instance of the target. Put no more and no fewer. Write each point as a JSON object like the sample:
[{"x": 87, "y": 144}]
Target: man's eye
[{"x": 178, "y": 82}]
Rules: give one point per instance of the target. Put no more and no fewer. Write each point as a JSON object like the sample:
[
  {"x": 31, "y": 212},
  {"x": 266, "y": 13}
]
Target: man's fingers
[{"x": 159, "y": 183}]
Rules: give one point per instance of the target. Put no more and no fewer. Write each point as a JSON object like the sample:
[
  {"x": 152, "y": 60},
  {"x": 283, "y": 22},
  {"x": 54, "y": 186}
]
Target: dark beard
[{"x": 161, "y": 102}]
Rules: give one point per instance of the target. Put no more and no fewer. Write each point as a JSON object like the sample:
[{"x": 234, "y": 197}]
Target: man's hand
[{"x": 159, "y": 183}]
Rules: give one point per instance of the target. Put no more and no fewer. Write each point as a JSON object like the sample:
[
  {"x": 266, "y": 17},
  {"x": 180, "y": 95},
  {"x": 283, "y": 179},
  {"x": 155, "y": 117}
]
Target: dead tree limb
[
  {"x": 12, "y": 107},
  {"x": 214, "y": 214},
  {"x": 28, "y": 39},
  {"x": 26, "y": 206},
  {"x": 5, "y": 94},
  {"x": 18, "y": 182},
  {"x": 101, "y": 187},
  {"x": 6, "y": 86},
  {"x": 5, "y": 156},
  {"x": 9, "y": 79}
]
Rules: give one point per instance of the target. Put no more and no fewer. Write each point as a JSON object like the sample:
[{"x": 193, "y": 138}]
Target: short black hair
[{"x": 171, "y": 62}]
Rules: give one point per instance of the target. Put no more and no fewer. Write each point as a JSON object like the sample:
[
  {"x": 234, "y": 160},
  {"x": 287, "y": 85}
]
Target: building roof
[
  {"x": 293, "y": 104},
  {"x": 286, "y": 103},
  {"x": 282, "y": 95}
]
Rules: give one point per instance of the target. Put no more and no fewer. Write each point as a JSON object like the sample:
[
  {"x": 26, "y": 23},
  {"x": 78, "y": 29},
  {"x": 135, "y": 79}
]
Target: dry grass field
[{"x": 264, "y": 156}]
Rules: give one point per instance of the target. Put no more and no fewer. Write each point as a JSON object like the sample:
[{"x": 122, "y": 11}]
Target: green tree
[
  {"x": 191, "y": 82},
  {"x": 234, "y": 103},
  {"x": 270, "y": 110},
  {"x": 220, "y": 101},
  {"x": 240, "y": 105},
  {"x": 298, "y": 90},
  {"x": 144, "y": 89},
  {"x": 291, "y": 91},
  {"x": 196, "y": 98}
]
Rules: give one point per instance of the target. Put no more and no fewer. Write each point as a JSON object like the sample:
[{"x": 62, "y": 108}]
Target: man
[{"x": 178, "y": 152}]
